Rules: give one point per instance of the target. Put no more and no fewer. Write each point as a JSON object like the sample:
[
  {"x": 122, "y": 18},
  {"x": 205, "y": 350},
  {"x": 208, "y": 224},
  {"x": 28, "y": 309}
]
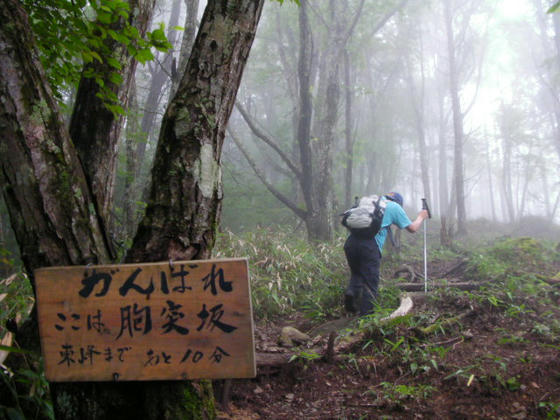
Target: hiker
[{"x": 364, "y": 255}]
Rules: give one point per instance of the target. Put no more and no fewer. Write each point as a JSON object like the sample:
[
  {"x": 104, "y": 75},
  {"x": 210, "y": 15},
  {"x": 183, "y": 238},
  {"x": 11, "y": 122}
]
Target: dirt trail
[{"x": 496, "y": 362}]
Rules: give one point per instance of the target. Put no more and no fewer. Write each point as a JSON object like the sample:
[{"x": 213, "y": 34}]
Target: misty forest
[{"x": 148, "y": 131}]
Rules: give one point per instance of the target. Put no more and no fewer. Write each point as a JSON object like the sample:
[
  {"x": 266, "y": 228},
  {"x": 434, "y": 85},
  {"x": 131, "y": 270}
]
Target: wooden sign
[{"x": 173, "y": 320}]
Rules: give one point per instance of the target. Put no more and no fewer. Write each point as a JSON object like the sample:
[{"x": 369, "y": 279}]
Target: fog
[{"x": 455, "y": 101}]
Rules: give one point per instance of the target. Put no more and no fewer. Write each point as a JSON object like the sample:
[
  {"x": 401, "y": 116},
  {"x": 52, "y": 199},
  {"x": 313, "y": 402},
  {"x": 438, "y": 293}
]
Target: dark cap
[{"x": 396, "y": 197}]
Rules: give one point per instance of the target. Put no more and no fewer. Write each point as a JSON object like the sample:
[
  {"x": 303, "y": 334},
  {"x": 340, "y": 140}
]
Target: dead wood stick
[
  {"x": 329, "y": 353},
  {"x": 431, "y": 328}
]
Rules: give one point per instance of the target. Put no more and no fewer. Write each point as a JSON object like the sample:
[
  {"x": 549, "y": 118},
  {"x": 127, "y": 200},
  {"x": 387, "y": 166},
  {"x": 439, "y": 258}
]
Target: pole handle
[{"x": 425, "y": 207}]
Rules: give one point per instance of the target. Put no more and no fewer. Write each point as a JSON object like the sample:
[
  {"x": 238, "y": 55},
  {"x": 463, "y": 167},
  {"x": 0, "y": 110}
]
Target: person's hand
[{"x": 423, "y": 214}]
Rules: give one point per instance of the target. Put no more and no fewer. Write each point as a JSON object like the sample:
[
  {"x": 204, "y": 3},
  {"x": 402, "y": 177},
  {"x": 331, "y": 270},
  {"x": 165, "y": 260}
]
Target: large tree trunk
[
  {"x": 94, "y": 129},
  {"x": 185, "y": 199},
  {"x": 51, "y": 207},
  {"x": 53, "y": 211}
]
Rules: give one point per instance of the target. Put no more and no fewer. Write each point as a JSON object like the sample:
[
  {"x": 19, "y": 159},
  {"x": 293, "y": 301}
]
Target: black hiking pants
[{"x": 363, "y": 258}]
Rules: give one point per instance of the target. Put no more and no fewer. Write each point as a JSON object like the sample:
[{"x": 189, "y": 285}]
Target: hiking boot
[{"x": 349, "y": 303}]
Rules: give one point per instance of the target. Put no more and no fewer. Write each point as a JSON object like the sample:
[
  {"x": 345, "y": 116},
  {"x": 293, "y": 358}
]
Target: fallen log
[
  {"x": 552, "y": 281},
  {"x": 408, "y": 271},
  {"x": 272, "y": 359}
]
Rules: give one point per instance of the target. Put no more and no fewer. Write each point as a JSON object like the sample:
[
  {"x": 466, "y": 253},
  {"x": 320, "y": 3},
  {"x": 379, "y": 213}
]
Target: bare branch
[
  {"x": 388, "y": 16},
  {"x": 354, "y": 22},
  {"x": 285, "y": 200},
  {"x": 264, "y": 137}
]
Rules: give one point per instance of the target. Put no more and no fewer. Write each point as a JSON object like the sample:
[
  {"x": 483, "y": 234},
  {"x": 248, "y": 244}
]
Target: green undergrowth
[
  {"x": 288, "y": 274},
  {"x": 515, "y": 302}
]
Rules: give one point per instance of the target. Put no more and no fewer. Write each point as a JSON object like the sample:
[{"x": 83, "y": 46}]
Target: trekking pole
[{"x": 425, "y": 207}]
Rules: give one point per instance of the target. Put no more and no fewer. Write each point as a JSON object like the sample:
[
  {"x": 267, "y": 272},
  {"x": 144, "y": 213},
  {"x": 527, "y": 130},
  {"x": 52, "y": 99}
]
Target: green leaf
[
  {"x": 554, "y": 8},
  {"x": 86, "y": 56},
  {"x": 158, "y": 35},
  {"x": 119, "y": 37},
  {"x": 144, "y": 55},
  {"x": 96, "y": 56},
  {"x": 115, "y": 109},
  {"x": 116, "y": 78},
  {"x": 104, "y": 18},
  {"x": 114, "y": 63}
]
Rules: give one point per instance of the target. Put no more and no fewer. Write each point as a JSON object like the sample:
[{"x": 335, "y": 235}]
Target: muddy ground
[{"x": 495, "y": 362}]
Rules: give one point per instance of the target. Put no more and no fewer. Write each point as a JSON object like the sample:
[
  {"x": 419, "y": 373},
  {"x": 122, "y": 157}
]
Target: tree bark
[
  {"x": 348, "y": 137},
  {"x": 187, "y": 42},
  {"x": 418, "y": 108},
  {"x": 160, "y": 73},
  {"x": 53, "y": 210},
  {"x": 96, "y": 138},
  {"x": 185, "y": 199},
  {"x": 490, "y": 183},
  {"x": 457, "y": 122},
  {"x": 305, "y": 106}
]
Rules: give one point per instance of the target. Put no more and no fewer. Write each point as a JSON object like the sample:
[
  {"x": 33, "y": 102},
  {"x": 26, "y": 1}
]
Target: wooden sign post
[{"x": 154, "y": 321}]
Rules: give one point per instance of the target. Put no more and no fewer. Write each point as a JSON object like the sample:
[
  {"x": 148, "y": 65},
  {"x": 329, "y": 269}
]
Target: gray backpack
[{"x": 364, "y": 219}]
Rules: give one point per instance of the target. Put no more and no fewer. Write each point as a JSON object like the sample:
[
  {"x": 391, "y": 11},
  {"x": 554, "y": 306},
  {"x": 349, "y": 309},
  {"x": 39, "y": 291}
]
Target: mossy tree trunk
[
  {"x": 53, "y": 210},
  {"x": 184, "y": 204},
  {"x": 94, "y": 129}
]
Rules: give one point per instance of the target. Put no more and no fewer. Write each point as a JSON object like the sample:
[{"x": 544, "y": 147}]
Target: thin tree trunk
[
  {"x": 490, "y": 184},
  {"x": 442, "y": 152},
  {"x": 305, "y": 105},
  {"x": 187, "y": 43},
  {"x": 129, "y": 199},
  {"x": 546, "y": 192},
  {"x": 507, "y": 181},
  {"x": 457, "y": 123},
  {"x": 160, "y": 75},
  {"x": 349, "y": 141},
  {"x": 418, "y": 108}
]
